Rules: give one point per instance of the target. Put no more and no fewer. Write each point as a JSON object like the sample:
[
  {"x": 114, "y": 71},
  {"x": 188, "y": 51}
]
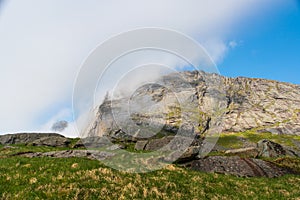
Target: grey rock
[
  {"x": 182, "y": 149},
  {"x": 141, "y": 145},
  {"x": 156, "y": 144},
  {"x": 93, "y": 142},
  {"x": 242, "y": 103},
  {"x": 91, "y": 154},
  {"x": 241, "y": 167},
  {"x": 25, "y": 138},
  {"x": 191, "y": 153},
  {"x": 114, "y": 147},
  {"x": 53, "y": 141},
  {"x": 271, "y": 149}
]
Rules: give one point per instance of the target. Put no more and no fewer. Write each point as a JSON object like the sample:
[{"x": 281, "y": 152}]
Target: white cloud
[{"x": 43, "y": 43}]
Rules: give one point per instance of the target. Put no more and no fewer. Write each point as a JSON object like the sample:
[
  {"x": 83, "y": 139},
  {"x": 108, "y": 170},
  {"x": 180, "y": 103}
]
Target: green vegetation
[
  {"x": 17, "y": 149},
  {"x": 235, "y": 140},
  {"x": 79, "y": 178},
  {"x": 286, "y": 162}
]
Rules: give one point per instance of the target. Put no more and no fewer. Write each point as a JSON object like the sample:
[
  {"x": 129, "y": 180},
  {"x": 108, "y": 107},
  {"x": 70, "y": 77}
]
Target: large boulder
[
  {"x": 182, "y": 149},
  {"x": 141, "y": 145},
  {"x": 156, "y": 144},
  {"x": 242, "y": 167},
  {"x": 271, "y": 149},
  {"x": 25, "y": 138},
  {"x": 191, "y": 153},
  {"x": 53, "y": 141}
]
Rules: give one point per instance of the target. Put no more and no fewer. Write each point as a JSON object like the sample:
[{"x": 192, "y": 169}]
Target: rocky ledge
[
  {"x": 237, "y": 166},
  {"x": 245, "y": 162},
  {"x": 36, "y": 139}
]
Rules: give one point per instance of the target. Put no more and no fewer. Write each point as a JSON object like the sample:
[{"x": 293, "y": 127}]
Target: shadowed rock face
[
  {"x": 243, "y": 167},
  {"x": 245, "y": 103}
]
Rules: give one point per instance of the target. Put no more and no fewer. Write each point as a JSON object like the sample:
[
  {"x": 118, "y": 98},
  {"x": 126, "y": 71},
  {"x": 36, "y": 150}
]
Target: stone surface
[
  {"x": 157, "y": 144},
  {"x": 242, "y": 167},
  {"x": 141, "y": 145},
  {"x": 241, "y": 103},
  {"x": 189, "y": 154},
  {"x": 114, "y": 147},
  {"x": 25, "y": 138},
  {"x": 91, "y": 154},
  {"x": 250, "y": 152},
  {"x": 53, "y": 141},
  {"x": 93, "y": 142},
  {"x": 271, "y": 149}
]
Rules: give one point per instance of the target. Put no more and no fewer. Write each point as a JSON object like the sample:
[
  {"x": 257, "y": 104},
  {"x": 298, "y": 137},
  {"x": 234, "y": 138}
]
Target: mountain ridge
[{"x": 249, "y": 104}]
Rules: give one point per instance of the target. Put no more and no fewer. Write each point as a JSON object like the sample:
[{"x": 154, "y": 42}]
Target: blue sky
[
  {"x": 268, "y": 48},
  {"x": 44, "y": 43}
]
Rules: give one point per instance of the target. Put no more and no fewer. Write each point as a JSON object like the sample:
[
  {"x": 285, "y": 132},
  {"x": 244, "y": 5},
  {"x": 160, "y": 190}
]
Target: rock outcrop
[
  {"x": 188, "y": 102},
  {"x": 242, "y": 167},
  {"x": 271, "y": 149},
  {"x": 189, "y": 106},
  {"x": 99, "y": 155},
  {"x": 26, "y": 138},
  {"x": 52, "y": 141}
]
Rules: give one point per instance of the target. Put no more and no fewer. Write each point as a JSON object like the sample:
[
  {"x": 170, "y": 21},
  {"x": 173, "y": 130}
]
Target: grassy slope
[
  {"x": 80, "y": 178},
  {"x": 52, "y": 178}
]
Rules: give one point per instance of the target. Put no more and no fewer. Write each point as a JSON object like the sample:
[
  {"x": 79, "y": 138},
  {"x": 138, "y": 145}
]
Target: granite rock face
[{"x": 198, "y": 102}]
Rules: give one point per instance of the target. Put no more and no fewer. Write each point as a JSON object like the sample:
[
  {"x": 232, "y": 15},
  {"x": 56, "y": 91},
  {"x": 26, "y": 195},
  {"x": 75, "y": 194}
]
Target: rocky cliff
[{"x": 197, "y": 102}]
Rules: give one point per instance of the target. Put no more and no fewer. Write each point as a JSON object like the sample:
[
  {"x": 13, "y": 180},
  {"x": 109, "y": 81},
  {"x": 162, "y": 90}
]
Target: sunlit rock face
[{"x": 197, "y": 102}]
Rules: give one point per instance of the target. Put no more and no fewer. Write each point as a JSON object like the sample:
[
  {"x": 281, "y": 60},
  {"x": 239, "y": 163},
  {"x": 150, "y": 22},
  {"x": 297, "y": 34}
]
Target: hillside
[
  {"x": 36, "y": 169},
  {"x": 170, "y": 134}
]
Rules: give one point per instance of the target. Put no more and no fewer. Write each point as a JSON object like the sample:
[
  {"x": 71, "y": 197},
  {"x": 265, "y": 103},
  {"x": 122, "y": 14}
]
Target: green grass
[
  {"x": 79, "y": 178},
  {"x": 286, "y": 162},
  {"x": 281, "y": 139},
  {"x": 232, "y": 140},
  {"x": 4, "y": 152},
  {"x": 18, "y": 148},
  {"x": 229, "y": 141}
]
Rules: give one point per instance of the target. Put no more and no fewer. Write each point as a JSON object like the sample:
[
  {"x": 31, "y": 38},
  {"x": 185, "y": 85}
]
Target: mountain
[
  {"x": 259, "y": 121},
  {"x": 197, "y": 103}
]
